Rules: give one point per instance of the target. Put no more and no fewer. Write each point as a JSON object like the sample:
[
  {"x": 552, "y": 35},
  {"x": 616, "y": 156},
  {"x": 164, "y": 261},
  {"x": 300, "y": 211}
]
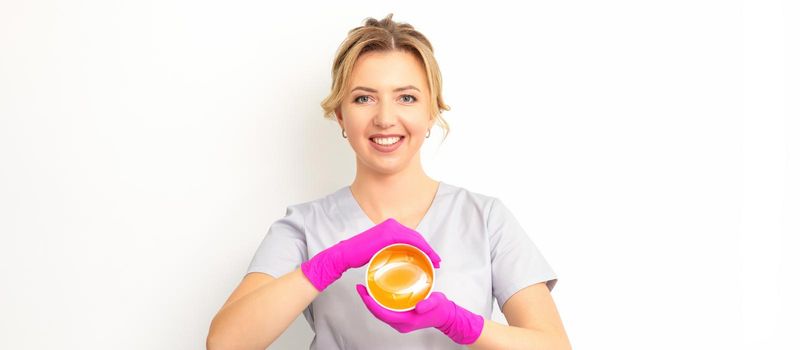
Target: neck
[{"x": 393, "y": 194}]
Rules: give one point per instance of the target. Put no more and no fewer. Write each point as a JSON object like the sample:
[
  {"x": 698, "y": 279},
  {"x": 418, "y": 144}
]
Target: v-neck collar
[{"x": 361, "y": 215}]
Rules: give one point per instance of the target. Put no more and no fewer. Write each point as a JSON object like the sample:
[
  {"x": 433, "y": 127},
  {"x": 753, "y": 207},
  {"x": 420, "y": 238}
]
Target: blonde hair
[{"x": 384, "y": 35}]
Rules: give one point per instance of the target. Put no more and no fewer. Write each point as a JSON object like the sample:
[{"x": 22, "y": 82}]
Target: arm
[
  {"x": 499, "y": 336},
  {"x": 531, "y": 312},
  {"x": 242, "y": 323},
  {"x": 534, "y": 323},
  {"x": 255, "y": 319}
]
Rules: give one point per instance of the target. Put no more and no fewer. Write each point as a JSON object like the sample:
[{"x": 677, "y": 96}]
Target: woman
[{"x": 386, "y": 95}]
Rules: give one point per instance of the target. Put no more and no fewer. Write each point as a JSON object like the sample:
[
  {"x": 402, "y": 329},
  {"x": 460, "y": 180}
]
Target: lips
[
  {"x": 384, "y": 135},
  {"x": 389, "y": 148}
]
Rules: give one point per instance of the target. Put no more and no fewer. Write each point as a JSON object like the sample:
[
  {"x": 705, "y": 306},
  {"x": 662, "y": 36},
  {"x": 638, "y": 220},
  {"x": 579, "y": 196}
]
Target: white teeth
[{"x": 386, "y": 141}]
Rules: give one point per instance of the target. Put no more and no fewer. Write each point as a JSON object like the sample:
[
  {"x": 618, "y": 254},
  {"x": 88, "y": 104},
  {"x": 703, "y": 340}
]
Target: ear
[{"x": 338, "y": 112}]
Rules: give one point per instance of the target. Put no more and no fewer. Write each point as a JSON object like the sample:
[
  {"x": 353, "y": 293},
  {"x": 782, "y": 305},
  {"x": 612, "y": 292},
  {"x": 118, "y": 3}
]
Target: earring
[
  {"x": 429, "y": 134},
  {"x": 343, "y": 135}
]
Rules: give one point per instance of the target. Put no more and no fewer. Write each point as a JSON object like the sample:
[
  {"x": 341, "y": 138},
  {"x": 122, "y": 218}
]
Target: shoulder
[
  {"x": 298, "y": 215},
  {"x": 467, "y": 196},
  {"x": 325, "y": 205},
  {"x": 491, "y": 209},
  {"x": 469, "y": 202}
]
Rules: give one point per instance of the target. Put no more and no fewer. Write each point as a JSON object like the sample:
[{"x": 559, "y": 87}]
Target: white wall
[{"x": 650, "y": 148}]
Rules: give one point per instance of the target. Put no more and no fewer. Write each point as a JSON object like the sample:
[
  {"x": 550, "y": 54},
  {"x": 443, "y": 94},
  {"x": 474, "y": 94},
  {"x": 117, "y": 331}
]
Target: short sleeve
[
  {"x": 516, "y": 261},
  {"x": 284, "y": 246}
]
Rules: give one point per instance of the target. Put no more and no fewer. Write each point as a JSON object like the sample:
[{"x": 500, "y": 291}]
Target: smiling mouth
[{"x": 399, "y": 138}]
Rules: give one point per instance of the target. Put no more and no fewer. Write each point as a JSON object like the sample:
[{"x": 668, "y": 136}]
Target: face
[{"x": 388, "y": 94}]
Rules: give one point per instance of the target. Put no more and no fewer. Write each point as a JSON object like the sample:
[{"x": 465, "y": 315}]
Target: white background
[{"x": 650, "y": 149}]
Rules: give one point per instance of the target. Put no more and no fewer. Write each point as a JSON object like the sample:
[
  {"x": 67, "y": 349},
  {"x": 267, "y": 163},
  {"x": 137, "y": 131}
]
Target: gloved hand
[
  {"x": 461, "y": 325},
  {"x": 328, "y": 265}
]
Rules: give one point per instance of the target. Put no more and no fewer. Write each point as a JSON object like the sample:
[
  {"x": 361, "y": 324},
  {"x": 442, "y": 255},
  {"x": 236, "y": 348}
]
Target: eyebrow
[{"x": 397, "y": 89}]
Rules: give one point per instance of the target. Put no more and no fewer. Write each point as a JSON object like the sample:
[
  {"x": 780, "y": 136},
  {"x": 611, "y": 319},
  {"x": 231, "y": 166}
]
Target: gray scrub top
[{"x": 485, "y": 254}]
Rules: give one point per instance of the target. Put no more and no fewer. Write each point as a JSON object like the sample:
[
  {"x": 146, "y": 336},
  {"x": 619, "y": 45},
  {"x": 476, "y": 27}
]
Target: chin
[{"x": 387, "y": 167}]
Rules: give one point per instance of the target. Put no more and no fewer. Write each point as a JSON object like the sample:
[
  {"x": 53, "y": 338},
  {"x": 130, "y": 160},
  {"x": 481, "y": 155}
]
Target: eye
[
  {"x": 358, "y": 99},
  {"x": 412, "y": 96}
]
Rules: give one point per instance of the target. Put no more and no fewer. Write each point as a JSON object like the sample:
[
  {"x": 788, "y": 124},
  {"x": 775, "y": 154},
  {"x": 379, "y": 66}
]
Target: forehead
[{"x": 388, "y": 69}]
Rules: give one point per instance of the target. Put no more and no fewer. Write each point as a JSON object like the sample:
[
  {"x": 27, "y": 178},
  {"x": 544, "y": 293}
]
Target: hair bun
[{"x": 386, "y": 22}]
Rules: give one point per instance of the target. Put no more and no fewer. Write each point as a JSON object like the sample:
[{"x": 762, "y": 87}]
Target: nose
[{"x": 386, "y": 115}]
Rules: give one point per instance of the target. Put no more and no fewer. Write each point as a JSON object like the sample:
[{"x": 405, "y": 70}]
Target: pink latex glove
[
  {"x": 328, "y": 265},
  {"x": 461, "y": 325}
]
